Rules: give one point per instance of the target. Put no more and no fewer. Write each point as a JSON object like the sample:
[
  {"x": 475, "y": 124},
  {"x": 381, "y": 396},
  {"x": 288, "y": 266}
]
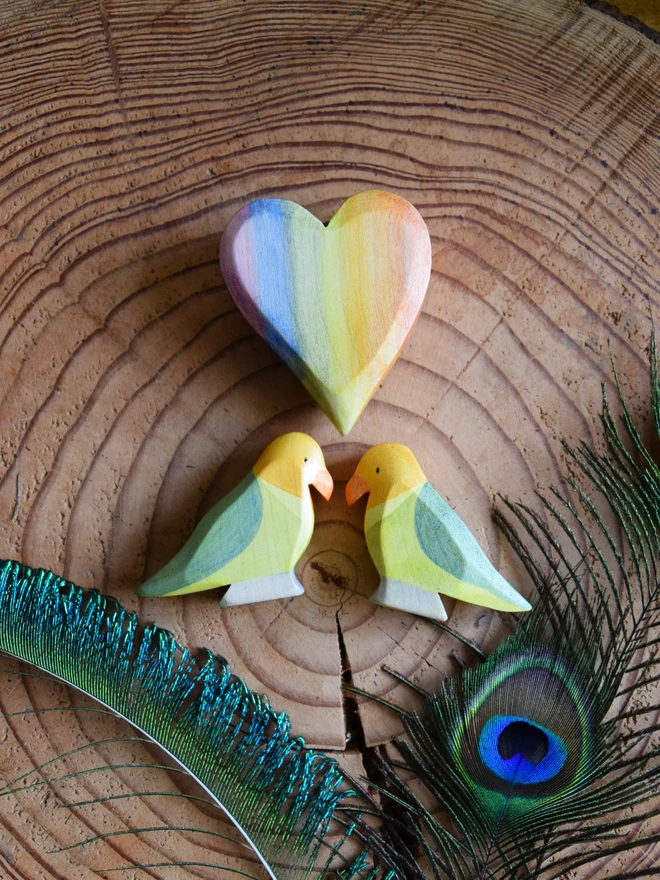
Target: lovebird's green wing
[
  {"x": 221, "y": 536},
  {"x": 449, "y": 544}
]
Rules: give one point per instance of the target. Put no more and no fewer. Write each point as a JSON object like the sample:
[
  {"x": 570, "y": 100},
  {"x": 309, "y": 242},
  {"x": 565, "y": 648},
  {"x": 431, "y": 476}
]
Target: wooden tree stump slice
[{"x": 134, "y": 395}]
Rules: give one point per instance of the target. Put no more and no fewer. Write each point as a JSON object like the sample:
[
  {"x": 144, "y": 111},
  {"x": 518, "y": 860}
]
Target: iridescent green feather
[{"x": 546, "y": 757}]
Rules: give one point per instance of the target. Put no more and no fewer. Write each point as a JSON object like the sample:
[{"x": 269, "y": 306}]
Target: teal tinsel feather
[{"x": 281, "y": 795}]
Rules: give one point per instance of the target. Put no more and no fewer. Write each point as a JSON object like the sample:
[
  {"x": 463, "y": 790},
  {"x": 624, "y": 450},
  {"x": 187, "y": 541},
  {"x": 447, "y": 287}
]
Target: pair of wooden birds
[{"x": 253, "y": 538}]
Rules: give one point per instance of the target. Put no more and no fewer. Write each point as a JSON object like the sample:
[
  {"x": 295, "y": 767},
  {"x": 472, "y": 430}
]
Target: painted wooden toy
[
  {"x": 336, "y": 303},
  {"x": 419, "y": 545},
  {"x": 254, "y": 537}
]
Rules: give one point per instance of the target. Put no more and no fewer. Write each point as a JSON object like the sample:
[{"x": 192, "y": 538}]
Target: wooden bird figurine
[
  {"x": 419, "y": 545},
  {"x": 253, "y": 538}
]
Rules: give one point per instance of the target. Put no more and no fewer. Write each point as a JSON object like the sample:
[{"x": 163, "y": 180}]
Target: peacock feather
[{"x": 546, "y": 756}]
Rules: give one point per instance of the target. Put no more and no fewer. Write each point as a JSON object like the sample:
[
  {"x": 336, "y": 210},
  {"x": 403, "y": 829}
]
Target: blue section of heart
[
  {"x": 518, "y": 768},
  {"x": 272, "y": 241}
]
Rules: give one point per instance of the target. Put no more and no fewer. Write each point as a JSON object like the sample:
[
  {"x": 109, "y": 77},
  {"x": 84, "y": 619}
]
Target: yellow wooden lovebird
[
  {"x": 253, "y": 538},
  {"x": 419, "y": 545}
]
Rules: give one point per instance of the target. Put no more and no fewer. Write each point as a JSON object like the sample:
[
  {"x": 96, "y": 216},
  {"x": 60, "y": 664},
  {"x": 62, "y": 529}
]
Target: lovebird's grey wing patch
[
  {"x": 447, "y": 541},
  {"x": 221, "y": 536}
]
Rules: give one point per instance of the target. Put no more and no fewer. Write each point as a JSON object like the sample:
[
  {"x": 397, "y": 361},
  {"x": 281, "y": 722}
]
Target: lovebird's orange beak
[
  {"x": 323, "y": 482},
  {"x": 356, "y": 488}
]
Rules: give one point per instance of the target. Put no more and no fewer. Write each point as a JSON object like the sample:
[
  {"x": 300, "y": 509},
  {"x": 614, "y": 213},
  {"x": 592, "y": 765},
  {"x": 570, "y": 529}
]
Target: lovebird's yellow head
[
  {"x": 385, "y": 471},
  {"x": 293, "y": 462}
]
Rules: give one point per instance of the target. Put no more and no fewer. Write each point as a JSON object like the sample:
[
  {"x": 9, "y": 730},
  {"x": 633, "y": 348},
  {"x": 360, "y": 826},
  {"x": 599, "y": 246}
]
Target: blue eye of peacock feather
[
  {"x": 516, "y": 750},
  {"x": 523, "y": 738}
]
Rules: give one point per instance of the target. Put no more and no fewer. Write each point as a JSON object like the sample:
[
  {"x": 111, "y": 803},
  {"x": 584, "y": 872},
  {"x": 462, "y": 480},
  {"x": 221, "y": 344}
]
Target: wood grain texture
[{"x": 134, "y": 395}]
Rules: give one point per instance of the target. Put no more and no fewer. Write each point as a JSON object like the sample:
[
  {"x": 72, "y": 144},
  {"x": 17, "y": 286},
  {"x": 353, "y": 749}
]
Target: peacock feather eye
[
  {"x": 520, "y": 751},
  {"x": 525, "y": 733}
]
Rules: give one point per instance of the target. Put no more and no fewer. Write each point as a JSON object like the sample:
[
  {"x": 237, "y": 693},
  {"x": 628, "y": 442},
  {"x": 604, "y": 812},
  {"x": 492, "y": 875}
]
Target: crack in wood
[
  {"x": 374, "y": 758},
  {"x": 354, "y": 730}
]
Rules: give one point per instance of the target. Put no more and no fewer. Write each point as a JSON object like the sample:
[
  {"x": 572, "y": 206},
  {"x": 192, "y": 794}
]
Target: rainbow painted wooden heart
[{"x": 336, "y": 303}]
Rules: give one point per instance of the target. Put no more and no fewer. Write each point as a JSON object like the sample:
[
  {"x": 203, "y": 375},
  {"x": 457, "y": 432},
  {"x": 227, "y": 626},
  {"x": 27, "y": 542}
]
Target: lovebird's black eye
[
  {"x": 306, "y": 459},
  {"x": 377, "y": 470}
]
